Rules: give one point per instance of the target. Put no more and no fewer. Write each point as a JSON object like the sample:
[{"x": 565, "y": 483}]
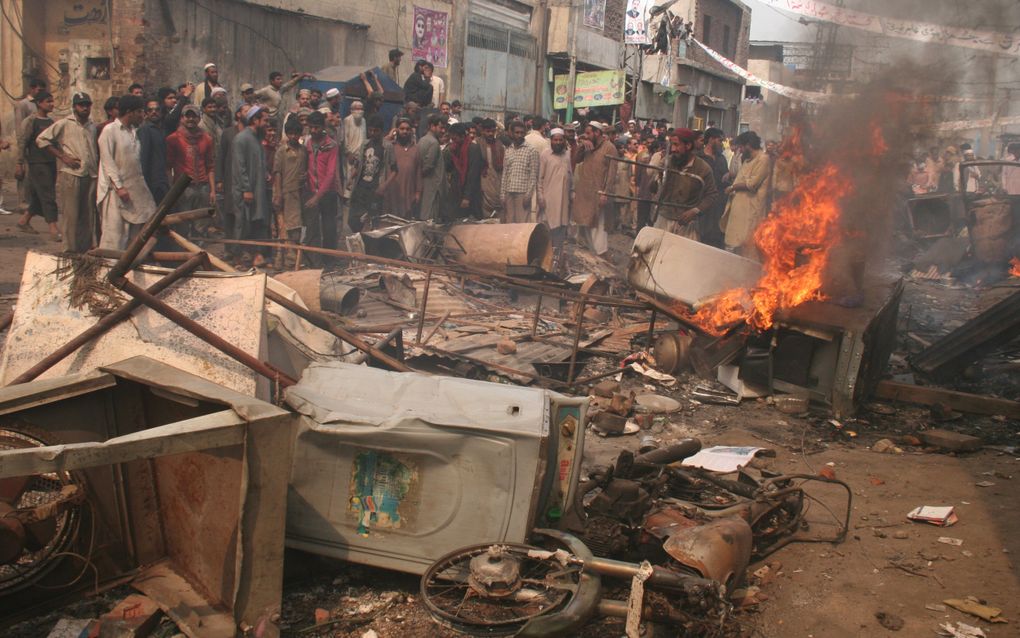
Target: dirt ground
[{"x": 887, "y": 564}]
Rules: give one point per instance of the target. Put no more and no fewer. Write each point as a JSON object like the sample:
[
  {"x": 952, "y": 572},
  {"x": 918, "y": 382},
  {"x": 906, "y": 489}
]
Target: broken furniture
[
  {"x": 397, "y": 469},
  {"x": 993, "y": 328},
  {"x": 990, "y": 216},
  {"x": 62, "y": 297},
  {"x": 180, "y": 491},
  {"x": 833, "y": 354},
  {"x": 663, "y": 264},
  {"x": 935, "y": 215}
]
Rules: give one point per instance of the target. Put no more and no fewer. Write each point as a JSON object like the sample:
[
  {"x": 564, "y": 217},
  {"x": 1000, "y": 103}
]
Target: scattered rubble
[{"x": 450, "y": 382}]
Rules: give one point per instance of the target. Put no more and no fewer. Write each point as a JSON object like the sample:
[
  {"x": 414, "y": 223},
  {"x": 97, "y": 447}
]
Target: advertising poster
[
  {"x": 428, "y": 42},
  {"x": 597, "y": 88},
  {"x": 635, "y": 22},
  {"x": 595, "y": 14}
]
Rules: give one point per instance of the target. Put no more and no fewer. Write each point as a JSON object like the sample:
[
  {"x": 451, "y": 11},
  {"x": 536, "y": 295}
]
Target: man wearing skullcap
[
  {"x": 249, "y": 187},
  {"x": 555, "y": 176},
  {"x": 209, "y": 82},
  {"x": 354, "y": 136},
  {"x": 334, "y": 99}
]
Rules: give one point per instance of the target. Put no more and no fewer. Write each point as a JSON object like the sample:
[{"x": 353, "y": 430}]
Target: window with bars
[
  {"x": 484, "y": 36},
  {"x": 502, "y": 39}
]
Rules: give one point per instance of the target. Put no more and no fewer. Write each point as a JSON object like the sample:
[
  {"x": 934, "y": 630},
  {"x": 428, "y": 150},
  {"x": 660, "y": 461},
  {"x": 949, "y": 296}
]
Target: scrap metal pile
[{"x": 687, "y": 533}]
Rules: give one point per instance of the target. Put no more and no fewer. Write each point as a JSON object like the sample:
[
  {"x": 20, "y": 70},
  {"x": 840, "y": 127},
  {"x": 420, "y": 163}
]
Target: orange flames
[
  {"x": 1014, "y": 267},
  {"x": 794, "y": 240},
  {"x": 878, "y": 145}
]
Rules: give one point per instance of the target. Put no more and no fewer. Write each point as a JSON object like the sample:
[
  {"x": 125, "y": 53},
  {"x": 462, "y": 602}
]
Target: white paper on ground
[{"x": 722, "y": 458}]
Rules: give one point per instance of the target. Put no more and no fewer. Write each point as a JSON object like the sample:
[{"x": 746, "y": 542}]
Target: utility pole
[{"x": 572, "y": 79}]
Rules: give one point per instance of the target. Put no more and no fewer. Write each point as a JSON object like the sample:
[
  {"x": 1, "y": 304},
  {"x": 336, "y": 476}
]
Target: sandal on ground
[{"x": 27, "y": 228}]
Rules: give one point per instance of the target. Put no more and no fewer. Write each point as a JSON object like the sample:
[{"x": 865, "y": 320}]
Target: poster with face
[
  {"x": 428, "y": 41},
  {"x": 595, "y": 14},
  {"x": 635, "y": 22}
]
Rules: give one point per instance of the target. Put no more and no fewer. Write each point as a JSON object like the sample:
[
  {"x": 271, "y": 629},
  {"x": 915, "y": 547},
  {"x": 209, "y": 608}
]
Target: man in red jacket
[
  {"x": 323, "y": 183},
  {"x": 189, "y": 151}
]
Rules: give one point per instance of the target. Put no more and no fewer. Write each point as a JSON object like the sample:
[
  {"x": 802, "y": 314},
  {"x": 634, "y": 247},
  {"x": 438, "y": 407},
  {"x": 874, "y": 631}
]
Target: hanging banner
[
  {"x": 595, "y": 14},
  {"x": 788, "y": 91},
  {"x": 635, "y": 22},
  {"x": 994, "y": 41},
  {"x": 971, "y": 125},
  {"x": 596, "y": 88},
  {"x": 428, "y": 42}
]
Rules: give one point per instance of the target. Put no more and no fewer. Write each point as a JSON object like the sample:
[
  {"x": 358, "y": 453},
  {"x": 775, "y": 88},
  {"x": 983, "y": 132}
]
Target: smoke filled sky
[{"x": 769, "y": 23}]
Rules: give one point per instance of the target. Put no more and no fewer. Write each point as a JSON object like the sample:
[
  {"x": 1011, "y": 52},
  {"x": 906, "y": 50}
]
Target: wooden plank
[
  {"x": 23, "y": 396},
  {"x": 195, "y": 615},
  {"x": 215, "y": 430},
  {"x": 959, "y": 401},
  {"x": 134, "y": 617}
]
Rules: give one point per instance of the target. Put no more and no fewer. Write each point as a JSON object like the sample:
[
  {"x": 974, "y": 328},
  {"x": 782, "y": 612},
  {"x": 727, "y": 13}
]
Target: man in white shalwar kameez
[
  {"x": 125, "y": 203},
  {"x": 554, "y": 186},
  {"x": 354, "y": 139}
]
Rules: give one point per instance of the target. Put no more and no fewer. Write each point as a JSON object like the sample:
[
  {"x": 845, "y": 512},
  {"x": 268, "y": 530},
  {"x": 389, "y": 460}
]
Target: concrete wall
[
  {"x": 246, "y": 41},
  {"x": 724, "y": 14},
  {"x": 594, "y": 47}
]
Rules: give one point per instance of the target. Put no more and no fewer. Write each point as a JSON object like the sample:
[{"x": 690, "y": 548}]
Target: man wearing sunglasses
[{"x": 153, "y": 151}]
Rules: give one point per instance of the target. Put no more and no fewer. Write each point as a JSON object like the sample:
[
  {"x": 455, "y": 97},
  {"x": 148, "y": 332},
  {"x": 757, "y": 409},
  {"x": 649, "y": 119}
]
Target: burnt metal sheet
[
  {"x": 375, "y": 309},
  {"x": 531, "y": 357},
  {"x": 232, "y": 306},
  {"x": 852, "y": 345},
  {"x": 662, "y": 263},
  {"x": 993, "y": 328}
]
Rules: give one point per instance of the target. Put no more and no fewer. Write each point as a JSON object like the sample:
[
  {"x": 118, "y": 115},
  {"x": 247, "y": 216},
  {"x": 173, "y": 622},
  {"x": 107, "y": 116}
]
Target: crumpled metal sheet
[{"x": 232, "y": 306}]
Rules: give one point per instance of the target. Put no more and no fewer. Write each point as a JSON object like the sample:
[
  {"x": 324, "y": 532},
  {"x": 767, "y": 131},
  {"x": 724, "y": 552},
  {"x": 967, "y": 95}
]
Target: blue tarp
[{"x": 347, "y": 80}]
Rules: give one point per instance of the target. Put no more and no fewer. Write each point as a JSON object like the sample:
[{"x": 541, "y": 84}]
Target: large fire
[
  {"x": 794, "y": 241},
  {"x": 797, "y": 237},
  {"x": 1014, "y": 267}
]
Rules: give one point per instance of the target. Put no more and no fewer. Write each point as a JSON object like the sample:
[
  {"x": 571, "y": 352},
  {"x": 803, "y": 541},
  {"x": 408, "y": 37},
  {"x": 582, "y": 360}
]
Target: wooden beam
[{"x": 959, "y": 401}]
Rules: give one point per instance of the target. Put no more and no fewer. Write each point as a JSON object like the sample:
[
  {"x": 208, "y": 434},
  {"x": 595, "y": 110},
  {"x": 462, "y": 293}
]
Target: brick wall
[
  {"x": 615, "y": 10},
  {"x": 723, "y": 26}
]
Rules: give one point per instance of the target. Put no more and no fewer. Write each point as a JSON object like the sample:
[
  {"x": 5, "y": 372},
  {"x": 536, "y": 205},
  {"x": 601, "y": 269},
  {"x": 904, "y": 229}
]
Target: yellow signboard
[{"x": 595, "y": 88}]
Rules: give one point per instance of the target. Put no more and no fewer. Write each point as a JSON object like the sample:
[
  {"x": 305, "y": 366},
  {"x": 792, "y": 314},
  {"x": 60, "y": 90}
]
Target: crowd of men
[{"x": 309, "y": 173}]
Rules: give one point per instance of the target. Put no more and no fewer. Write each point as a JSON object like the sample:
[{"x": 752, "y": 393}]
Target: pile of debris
[{"x": 419, "y": 403}]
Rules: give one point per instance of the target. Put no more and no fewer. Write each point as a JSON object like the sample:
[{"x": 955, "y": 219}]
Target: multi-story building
[
  {"x": 763, "y": 111},
  {"x": 488, "y": 51},
  {"x": 686, "y": 85}
]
